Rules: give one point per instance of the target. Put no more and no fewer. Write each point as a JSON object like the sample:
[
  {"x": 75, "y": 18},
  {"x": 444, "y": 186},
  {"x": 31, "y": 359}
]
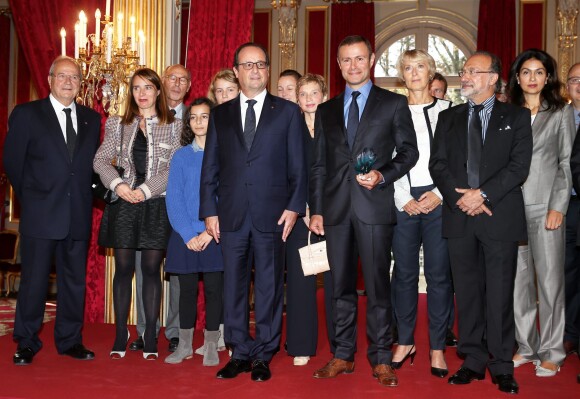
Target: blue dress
[{"x": 183, "y": 210}]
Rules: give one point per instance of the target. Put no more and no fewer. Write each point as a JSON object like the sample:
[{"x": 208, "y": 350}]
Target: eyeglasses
[
  {"x": 173, "y": 79},
  {"x": 250, "y": 65},
  {"x": 574, "y": 81},
  {"x": 471, "y": 72},
  {"x": 61, "y": 77}
]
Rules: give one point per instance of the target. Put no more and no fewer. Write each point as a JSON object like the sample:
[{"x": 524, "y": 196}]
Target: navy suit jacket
[
  {"x": 265, "y": 181},
  {"x": 505, "y": 163},
  {"x": 54, "y": 192},
  {"x": 385, "y": 125}
]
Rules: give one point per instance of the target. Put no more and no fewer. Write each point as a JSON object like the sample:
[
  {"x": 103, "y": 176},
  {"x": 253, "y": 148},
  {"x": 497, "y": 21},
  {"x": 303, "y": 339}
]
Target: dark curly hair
[
  {"x": 187, "y": 135},
  {"x": 551, "y": 93}
]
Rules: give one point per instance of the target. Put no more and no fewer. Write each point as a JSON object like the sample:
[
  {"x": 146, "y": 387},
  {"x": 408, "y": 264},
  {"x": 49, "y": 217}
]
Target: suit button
[
  {"x": 72, "y": 173},
  {"x": 248, "y": 164},
  {"x": 348, "y": 179}
]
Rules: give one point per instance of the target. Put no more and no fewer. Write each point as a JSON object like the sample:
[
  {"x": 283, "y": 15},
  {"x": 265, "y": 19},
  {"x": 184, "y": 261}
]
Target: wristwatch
[{"x": 485, "y": 198}]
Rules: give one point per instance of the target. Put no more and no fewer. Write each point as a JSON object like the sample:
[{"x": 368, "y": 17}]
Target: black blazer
[
  {"x": 505, "y": 163},
  {"x": 54, "y": 192},
  {"x": 265, "y": 181},
  {"x": 385, "y": 125}
]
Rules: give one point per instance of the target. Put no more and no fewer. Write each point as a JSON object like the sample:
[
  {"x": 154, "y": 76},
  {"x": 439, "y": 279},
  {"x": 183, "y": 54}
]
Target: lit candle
[
  {"x": 77, "y": 39},
  {"x": 97, "y": 27},
  {"x": 62, "y": 42},
  {"x": 109, "y": 43},
  {"x": 83, "y": 29},
  {"x": 120, "y": 30},
  {"x": 133, "y": 37},
  {"x": 108, "y": 9},
  {"x": 141, "y": 48}
]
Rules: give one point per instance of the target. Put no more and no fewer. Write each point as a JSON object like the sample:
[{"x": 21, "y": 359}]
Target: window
[{"x": 449, "y": 60}]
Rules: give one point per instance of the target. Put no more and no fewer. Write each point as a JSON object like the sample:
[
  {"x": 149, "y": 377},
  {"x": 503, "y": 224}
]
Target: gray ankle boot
[
  {"x": 184, "y": 350},
  {"x": 210, "y": 355},
  {"x": 221, "y": 343}
]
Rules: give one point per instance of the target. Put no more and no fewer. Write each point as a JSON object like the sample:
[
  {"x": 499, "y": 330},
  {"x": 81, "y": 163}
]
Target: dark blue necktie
[
  {"x": 250, "y": 124},
  {"x": 352, "y": 124},
  {"x": 71, "y": 135},
  {"x": 474, "y": 147}
]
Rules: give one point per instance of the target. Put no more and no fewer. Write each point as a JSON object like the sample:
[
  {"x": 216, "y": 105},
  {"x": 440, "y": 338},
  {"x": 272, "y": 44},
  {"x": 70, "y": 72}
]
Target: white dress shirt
[
  {"x": 257, "y": 107},
  {"x": 60, "y": 114}
]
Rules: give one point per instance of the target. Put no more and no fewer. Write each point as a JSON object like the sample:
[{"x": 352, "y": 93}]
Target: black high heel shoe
[
  {"x": 119, "y": 354},
  {"x": 437, "y": 372},
  {"x": 398, "y": 365}
]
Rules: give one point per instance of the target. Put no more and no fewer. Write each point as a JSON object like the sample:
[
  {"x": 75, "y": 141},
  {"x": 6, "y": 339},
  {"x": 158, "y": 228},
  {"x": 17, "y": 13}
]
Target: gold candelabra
[
  {"x": 287, "y": 20},
  {"x": 107, "y": 61}
]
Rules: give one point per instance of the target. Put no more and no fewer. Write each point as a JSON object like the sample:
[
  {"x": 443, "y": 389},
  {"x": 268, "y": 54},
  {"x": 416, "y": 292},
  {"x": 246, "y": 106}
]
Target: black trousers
[
  {"x": 267, "y": 249},
  {"x": 213, "y": 285},
  {"x": 345, "y": 243},
  {"x": 37, "y": 256},
  {"x": 301, "y": 306},
  {"x": 483, "y": 275}
]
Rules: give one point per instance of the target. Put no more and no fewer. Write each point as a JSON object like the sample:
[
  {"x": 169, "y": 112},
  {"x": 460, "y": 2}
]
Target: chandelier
[{"x": 107, "y": 58}]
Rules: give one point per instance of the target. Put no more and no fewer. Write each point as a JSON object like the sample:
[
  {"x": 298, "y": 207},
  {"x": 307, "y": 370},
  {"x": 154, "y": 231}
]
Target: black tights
[
  {"x": 213, "y": 283},
  {"x": 124, "y": 269}
]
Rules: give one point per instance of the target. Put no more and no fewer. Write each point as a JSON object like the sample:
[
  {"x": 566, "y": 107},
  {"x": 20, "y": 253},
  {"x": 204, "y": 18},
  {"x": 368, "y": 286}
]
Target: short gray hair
[{"x": 62, "y": 58}]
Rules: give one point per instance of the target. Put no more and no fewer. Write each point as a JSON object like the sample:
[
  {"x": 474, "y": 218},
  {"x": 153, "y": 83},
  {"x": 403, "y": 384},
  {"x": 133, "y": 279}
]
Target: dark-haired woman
[
  {"x": 147, "y": 136},
  {"x": 533, "y": 83},
  {"x": 191, "y": 249}
]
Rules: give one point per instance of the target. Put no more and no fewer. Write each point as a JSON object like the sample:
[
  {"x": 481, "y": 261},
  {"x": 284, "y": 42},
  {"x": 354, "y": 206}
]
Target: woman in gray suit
[{"x": 533, "y": 83}]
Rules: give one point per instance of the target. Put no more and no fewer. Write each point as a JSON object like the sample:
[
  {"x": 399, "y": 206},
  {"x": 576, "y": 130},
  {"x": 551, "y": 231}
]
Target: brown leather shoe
[
  {"x": 334, "y": 368},
  {"x": 386, "y": 375}
]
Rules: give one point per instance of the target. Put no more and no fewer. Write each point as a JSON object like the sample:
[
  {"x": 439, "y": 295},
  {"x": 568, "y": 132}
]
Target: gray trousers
[
  {"x": 172, "y": 321},
  {"x": 541, "y": 262}
]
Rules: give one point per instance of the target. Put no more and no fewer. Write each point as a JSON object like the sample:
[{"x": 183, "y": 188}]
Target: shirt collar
[
  {"x": 58, "y": 107},
  {"x": 179, "y": 110},
  {"x": 196, "y": 147},
  {"x": 487, "y": 104},
  {"x": 364, "y": 91},
  {"x": 259, "y": 98}
]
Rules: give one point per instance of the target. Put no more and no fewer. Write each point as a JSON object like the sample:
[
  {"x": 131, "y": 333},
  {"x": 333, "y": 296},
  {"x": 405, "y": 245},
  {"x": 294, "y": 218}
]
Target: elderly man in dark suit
[
  {"x": 480, "y": 158},
  {"x": 48, "y": 157},
  {"x": 253, "y": 187},
  {"x": 357, "y": 211}
]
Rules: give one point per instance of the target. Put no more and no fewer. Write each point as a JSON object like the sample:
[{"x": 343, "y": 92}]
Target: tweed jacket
[{"x": 162, "y": 142}]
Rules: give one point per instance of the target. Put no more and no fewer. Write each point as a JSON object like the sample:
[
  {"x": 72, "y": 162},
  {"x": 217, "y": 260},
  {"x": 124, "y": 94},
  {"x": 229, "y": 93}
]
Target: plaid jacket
[{"x": 162, "y": 142}]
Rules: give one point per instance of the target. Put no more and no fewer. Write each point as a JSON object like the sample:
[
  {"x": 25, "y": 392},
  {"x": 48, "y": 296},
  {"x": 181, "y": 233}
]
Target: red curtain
[
  {"x": 38, "y": 28},
  {"x": 348, "y": 19},
  {"x": 496, "y": 30},
  {"x": 216, "y": 29}
]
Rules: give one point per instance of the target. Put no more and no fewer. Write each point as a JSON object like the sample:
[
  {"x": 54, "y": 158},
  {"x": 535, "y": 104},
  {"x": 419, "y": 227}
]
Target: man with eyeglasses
[
  {"x": 355, "y": 209},
  {"x": 48, "y": 157},
  {"x": 253, "y": 187},
  {"x": 177, "y": 81},
  {"x": 481, "y": 156},
  {"x": 572, "y": 262}
]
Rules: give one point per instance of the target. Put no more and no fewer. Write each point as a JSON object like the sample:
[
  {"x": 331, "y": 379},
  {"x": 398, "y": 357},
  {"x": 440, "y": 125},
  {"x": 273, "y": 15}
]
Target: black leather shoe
[
  {"x": 260, "y": 370},
  {"x": 137, "y": 345},
  {"x": 464, "y": 376},
  {"x": 450, "y": 338},
  {"x": 437, "y": 372},
  {"x": 23, "y": 356},
  {"x": 78, "y": 351},
  {"x": 233, "y": 368},
  {"x": 173, "y": 342},
  {"x": 506, "y": 383}
]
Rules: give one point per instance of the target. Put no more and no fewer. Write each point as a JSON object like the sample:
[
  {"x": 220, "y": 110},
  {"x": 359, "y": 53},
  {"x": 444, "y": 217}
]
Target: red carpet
[{"x": 54, "y": 376}]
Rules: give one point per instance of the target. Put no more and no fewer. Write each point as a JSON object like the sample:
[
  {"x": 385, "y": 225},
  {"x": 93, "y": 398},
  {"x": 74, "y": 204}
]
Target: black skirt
[{"x": 144, "y": 225}]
